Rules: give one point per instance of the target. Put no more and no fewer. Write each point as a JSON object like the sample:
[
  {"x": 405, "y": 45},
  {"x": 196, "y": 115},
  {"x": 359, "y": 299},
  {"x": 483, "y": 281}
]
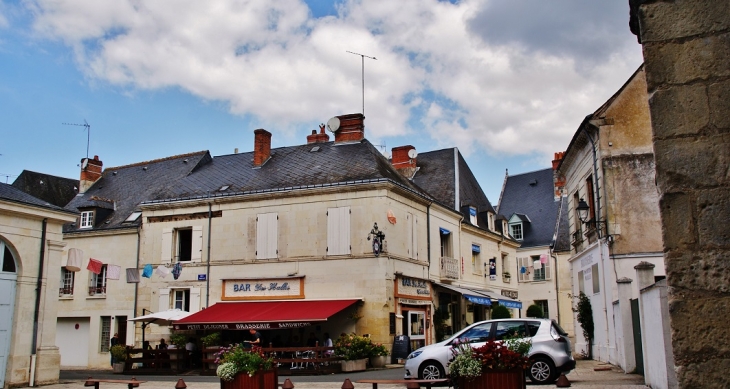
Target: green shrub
[
  {"x": 535, "y": 310},
  {"x": 353, "y": 347},
  {"x": 119, "y": 352},
  {"x": 501, "y": 312},
  {"x": 178, "y": 340},
  {"x": 213, "y": 339}
]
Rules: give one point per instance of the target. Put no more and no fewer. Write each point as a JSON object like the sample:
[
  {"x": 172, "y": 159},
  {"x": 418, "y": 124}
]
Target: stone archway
[{"x": 8, "y": 278}]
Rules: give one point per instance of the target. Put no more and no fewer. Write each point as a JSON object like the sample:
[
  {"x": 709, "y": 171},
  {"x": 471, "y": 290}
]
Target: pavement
[{"x": 588, "y": 374}]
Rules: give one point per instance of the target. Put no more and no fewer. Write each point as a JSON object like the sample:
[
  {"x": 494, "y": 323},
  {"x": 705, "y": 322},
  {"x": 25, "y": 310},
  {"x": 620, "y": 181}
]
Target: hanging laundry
[
  {"x": 113, "y": 272},
  {"x": 162, "y": 271},
  {"x": 543, "y": 258},
  {"x": 523, "y": 270},
  {"x": 147, "y": 272},
  {"x": 132, "y": 275},
  {"x": 391, "y": 217},
  {"x": 94, "y": 266},
  {"x": 75, "y": 260},
  {"x": 176, "y": 270}
]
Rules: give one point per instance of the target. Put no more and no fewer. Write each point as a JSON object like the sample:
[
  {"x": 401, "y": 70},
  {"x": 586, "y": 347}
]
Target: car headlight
[{"x": 414, "y": 354}]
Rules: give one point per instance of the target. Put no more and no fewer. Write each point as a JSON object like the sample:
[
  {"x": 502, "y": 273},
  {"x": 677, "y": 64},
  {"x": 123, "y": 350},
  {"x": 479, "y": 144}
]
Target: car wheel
[
  {"x": 431, "y": 371},
  {"x": 542, "y": 370}
]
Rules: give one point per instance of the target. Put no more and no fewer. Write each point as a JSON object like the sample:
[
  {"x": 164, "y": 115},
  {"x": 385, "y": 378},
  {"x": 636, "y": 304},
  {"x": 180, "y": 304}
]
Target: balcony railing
[
  {"x": 97, "y": 290},
  {"x": 577, "y": 241},
  {"x": 67, "y": 291},
  {"x": 449, "y": 268}
]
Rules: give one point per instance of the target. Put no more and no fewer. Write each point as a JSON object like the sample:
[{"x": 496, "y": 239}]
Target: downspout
[
  {"x": 207, "y": 271},
  {"x": 136, "y": 284},
  {"x": 552, "y": 254},
  {"x": 36, "y": 313}
]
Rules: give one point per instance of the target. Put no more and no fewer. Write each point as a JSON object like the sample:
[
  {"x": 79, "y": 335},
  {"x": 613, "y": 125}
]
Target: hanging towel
[
  {"x": 162, "y": 271},
  {"x": 176, "y": 270},
  {"x": 543, "y": 258},
  {"x": 94, "y": 266},
  {"x": 147, "y": 272},
  {"x": 75, "y": 260},
  {"x": 391, "y": 217},
  {"x": 132, "y": 275},
  {"x": 523, "y": 270},
  {"x": 113, "y": 272}
]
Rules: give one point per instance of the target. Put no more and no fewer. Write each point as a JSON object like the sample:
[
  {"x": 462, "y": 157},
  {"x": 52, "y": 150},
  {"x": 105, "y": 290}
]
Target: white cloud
[{"x": 525, "y": 93}]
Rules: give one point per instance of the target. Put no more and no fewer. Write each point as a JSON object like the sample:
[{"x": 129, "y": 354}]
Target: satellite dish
[
  {"x": 412, "y": 153},
  {"x": 333, "y": 124}
]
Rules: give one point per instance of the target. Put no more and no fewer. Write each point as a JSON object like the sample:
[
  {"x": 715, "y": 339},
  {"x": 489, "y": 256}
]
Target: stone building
[
  {"x": 536, "y": 211},
  {"x": 30, "y": 255},
  {"x": 686, "y": 51},
  {"x": 288, "y": 229},
  {"x": 609, "y": 168}
]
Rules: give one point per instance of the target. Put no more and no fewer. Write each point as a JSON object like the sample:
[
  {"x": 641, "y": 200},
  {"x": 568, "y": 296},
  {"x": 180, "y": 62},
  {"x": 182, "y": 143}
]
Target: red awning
[{"x": 262, "y": 314}]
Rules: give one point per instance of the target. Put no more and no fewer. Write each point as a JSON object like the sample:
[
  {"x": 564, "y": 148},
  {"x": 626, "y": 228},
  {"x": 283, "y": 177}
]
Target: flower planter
[
  {"x": 502, "y": 379},
  {"x": 118, "y": 367},
  {"x": 268, "y": 379},
  {"x": 354, "y": 365},
  {"x": 379, "y": 361}
]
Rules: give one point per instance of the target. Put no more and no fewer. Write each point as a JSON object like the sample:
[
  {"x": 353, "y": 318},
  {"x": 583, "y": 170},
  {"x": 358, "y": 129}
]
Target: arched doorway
[{"x": 8, "y": 278}]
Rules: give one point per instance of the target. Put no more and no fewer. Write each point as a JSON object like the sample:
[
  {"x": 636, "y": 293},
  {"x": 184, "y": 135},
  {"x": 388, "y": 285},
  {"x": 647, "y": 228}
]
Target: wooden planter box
[
  {"x": 495, "y": 379},
  {"x": 262, "y": 380},
  {"x": 354, "y": 365}
]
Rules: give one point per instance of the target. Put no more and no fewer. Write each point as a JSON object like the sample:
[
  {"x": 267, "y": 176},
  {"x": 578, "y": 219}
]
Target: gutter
[
  {"x": 207, "y": 271},
  {"x": 36, "y": 312}
]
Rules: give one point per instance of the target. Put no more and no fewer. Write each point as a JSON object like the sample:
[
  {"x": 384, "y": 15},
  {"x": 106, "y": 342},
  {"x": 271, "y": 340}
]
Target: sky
[{"x": 506, "y": 81}]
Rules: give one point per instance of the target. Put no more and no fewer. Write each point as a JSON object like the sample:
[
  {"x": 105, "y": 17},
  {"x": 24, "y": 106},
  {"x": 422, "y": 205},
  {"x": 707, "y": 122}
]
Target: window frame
[
  {"x": 86, "y": 219},
  {"x": 512, "y": 227},
  {"x": 95, "y": 289},
  {"x": 476, "y": 259},
  {"x": 185, "y": 299},
  {"x": 105, "y": 330},
  {"x": 67, "y": 283},
  {"x": 445, "y": 245}
]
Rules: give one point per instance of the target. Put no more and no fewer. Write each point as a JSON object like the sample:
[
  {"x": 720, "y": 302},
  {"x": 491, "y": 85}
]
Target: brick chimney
[
  {"x": 558, "y": 179},
  {"x": 90, "y": 172},
  {"x": 352, "y": 128},
  {"x": 402, "y": 162},
  {"x": 261, "y": 147},
  {"x": 318, "y": 138}
]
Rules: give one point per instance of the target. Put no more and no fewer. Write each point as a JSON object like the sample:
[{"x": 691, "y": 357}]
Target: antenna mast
[
  {"x": 363, "y": 56},
  {"x": 87, "y": 126}
]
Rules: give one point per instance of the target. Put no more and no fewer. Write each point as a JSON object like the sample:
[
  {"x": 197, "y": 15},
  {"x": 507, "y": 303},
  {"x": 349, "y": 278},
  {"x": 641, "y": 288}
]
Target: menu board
[{"x": 401, "y": 348}]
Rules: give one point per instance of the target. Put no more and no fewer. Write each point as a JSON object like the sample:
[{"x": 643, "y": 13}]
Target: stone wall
[{"x": 686, "y": 47}]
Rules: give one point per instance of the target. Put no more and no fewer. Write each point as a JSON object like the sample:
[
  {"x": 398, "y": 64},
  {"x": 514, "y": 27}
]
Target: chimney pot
[
  {"x": 318, "y": 138},
  {"x": 402, "y": 162},
  {"x": 261, "y": 147},
  {"x": 352, "y": 128},
  {"x": 90, "y": 173}
]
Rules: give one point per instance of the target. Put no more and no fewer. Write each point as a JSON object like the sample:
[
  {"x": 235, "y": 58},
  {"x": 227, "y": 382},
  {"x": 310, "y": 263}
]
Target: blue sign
[
  {"x": 202, "y": 277},
  {"x": 478, "y": 300},
  {"x": 510, "y": 304}
]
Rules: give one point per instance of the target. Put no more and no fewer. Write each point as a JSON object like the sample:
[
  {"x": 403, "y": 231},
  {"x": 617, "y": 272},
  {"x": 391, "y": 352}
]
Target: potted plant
[
  {"x": 499, "y": 364},
  {"x": 378, "y": 355},
  {"x": 243, "y": 368},
  {"x": 212, "y": 339},
  {"x": 355, "y": 350},
  {"x": 119, "y": 353}
]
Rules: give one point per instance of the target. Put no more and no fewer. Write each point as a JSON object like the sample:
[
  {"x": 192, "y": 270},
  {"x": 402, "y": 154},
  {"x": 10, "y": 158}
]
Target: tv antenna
[
  {"x": 87, "y": 126},
  {"x": 363, "y": 56}
]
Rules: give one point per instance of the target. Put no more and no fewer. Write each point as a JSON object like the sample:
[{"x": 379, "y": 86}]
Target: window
[
  {"x": 183, "y": 244},
  {"x": 590, "y": 198},
  {"x": 544, "y": 305},
  {"x": 534, "y": 268},
  {"x": 581, "y": 282},
  {"x": 105, "y": 338},
  {"x": 473, "y": 216},
  {"x": 491, "y": 221},
  {"x": 97, "y": 282},
  {"x": 87, "y": 219},
  {"x": 476, "y": 263},
  {"x": 8, "y": 261},
  {"x": 267, "y": 235},
  {"x": 510, "y": 329},
  {"x": 181, "y": 299},
  {"x": 133, "y": 217},
  {"x": 594, "y": 276},
  {"x": 338, "y": 231},
  {"x": 516, "y": 231},
  {"x": 445, "y": 243},
  {"x": 67, "y": 283},
  {"x": 477, "y": 334}
]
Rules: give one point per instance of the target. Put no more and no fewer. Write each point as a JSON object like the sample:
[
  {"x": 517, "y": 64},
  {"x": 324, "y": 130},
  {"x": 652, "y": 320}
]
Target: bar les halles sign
[
  {"x": 263, "y": 289},
  {"x": 242, "y": 326},
  {"x": 413, "y": 287}
]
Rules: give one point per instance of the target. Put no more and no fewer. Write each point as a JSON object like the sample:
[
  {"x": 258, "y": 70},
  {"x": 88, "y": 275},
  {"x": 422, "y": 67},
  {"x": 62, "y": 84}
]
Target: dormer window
[
  {"x": 87, "y": 219},
  {"x": 473, "y": 216},
  {"x": 517, "y": 226},
  {"x": 516, "y": 231}
]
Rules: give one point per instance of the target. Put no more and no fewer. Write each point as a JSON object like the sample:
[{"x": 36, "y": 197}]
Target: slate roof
[
  {"x": 198, "y": 175},
  {"x": 12, "y": 194},
  {"x": 532, "y": 195},
  {"x": 51, "y": 189},
  {"x": 436, "y": 172}
]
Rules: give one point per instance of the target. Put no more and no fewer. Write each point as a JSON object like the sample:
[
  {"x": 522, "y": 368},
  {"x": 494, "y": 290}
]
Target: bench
[
  {"x": 409, "y": 383},
  {"x": 133, "y": 383}
]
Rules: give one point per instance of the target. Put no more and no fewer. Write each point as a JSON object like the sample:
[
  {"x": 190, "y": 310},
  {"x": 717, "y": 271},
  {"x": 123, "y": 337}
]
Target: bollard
[
  {"x": 348, "y": 384},
  {"x": 287, "y": 384},
  {"x": 562, "y": 382},
  {"x": 180, "y": 384}
]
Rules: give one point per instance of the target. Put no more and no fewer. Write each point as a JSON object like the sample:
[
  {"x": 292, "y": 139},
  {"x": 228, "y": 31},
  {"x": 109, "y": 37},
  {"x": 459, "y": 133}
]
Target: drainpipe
[
  {"x": 38, "y": 291},
  {"x": 207, "y": 271},
  {"x": 136, "y": 284}
]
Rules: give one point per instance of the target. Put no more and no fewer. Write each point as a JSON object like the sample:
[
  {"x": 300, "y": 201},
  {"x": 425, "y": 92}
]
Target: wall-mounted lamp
[{"x": 584, "y": 215}]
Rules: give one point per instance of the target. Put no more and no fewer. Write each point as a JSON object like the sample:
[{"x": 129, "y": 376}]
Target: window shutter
[
  {"x": 333, "y": 229},
  {"x": 522, "y": 262},
  {"x": 548, "y": 269},
  {"x": 338, "y": 231},
  {"x": 166, "y": 246},
  {"x": 272, "y": 236},
  {"x": 194, "y": 300},
  {"x": 164, "y": 303},
  {"x": 196, "y": 254},
  {"x": 414, "y": 250},
  {"x": 266, "y": 235}
]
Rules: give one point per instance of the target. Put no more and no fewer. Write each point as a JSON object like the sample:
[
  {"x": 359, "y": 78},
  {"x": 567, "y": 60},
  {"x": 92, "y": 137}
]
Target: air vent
[
  {"x": 533, "y": 182},
  {"x": 224, "y": 188}
]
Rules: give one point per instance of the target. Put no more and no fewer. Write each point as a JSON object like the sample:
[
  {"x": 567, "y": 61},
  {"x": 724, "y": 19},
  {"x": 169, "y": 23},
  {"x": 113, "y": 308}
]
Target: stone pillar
[
  {"x": 644, "y": 274},
  {"x": 48, "y": 356},
  {"x": 686, "y": 46},
  {"x": 628, "y": 362}
]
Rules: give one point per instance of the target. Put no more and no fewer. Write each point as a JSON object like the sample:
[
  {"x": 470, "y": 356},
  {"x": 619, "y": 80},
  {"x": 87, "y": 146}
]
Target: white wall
[{"x": 656, "y": 338}]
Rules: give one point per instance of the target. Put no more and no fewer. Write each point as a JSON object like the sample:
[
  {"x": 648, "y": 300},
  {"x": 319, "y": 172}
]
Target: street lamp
[
  {"x": 584, "y": 213},
  {"x": 583, "y": 210}
]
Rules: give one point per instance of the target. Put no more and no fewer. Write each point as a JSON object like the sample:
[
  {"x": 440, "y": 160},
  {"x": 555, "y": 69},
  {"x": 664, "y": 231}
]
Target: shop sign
[
  {"x": 415, "y": 287},
  {"x": 262, "y": 289},
  {"x": 243, "y": 326},
  {"x": 510, "y": 293},
  {"x": 413, "y": 302}
]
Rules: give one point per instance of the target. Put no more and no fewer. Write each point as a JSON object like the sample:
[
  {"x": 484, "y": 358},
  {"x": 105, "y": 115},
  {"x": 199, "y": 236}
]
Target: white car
[{"x": 549, "y": 355}]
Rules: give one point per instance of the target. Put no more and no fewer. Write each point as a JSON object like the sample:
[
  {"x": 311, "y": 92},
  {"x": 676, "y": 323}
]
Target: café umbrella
[{"x": 162, "y": 318}]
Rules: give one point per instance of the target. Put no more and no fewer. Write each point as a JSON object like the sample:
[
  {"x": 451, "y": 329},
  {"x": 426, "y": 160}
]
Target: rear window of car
[
  {"x": 533, "y": 326},
  {"x": 510, "y": 329},
  {"x": 560, "y": 330}
]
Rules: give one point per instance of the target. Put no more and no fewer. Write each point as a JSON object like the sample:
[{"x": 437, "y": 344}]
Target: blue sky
[{"x": 507, "y": 82}]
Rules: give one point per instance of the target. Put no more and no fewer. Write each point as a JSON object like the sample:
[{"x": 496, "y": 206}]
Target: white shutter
[
  {"x": 261, "y": 236},
  {"x": 522, "y": 262},
  {"x": 272, "y": 236},
  {"x": 548, "y": 269},
  {"x": 197, "y": 244},
  {"x": 164, "y": 303},
  {"x": 415, "y": 237},
  {"x": 409, "y": 227},
  {"x": 338, "y": 231},
  {"x": 266, "y": 236},
  {"x": 194, "y": 300},
  {"x": 166, "y": 246}
]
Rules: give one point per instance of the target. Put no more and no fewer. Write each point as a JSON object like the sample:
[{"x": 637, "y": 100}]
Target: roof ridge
[{"x": 158, "y": 160}]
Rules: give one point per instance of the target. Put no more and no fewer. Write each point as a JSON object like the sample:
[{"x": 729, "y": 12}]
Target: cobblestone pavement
[{"x": 587, "y": 375}]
